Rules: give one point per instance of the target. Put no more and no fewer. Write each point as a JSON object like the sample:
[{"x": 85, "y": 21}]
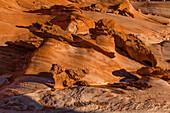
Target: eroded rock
[
  {"x": 49, "y": 30},
  {"x": 96, "y": 7},
  {"x": 67, "y": 77},
  {"x": 157, "y": 72},
  {"x": 122, "y": 8},
  {"x": 151, "y": 70},
  {"x": 70, "y": 18},
  {"x": 76, "y": 50},
  {"x": 74, "y": 56},
  {"x": 136, "y": 49},
  {"x": 74, "y": 23},
  {"x": 21, "y": 44},
  {"x": 133, "y": 46}
]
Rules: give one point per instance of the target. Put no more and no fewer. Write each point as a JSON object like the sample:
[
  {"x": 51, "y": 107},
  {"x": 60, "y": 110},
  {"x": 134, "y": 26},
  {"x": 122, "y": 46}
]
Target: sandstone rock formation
[
  {"x": 67, "y": 77},
  {"x": 92, "y": 99},
  {"x": 123, "y": 7},
  {"x": 76, "y": 24},
  {"x": 84, "y": 56},
  {"x": 154, "y": 72},
  {"x": 133, "y": 46},
  {"x": 154, "y": 8},
  {"x": 69, "y": 18},
  {"x": 136, "y": 49},
  {"x": 78, "y": 49}
]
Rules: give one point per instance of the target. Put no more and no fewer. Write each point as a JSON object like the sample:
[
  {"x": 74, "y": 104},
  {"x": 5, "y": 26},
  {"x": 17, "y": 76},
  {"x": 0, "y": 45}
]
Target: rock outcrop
[
  {"x": 84, "y": 56},
  {"x": 49, "y": 30},
  {"x": 69, "y": 18},
  {"x": 67, "y": 77},
  {"x": 154, "y": 72},
  {"x": 124, "y": 8},
  {"x": 132, "y": 45},
  {"x": 91, "y": 99},
  {"x": 76, "y": 24},
  {"x": 107, "y": 35},
  {"x": 135, "y": 48},
  {"x": 73, "y": 57}
]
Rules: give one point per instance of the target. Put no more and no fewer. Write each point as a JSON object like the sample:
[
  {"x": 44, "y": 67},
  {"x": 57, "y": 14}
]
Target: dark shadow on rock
[
  {"x": 168, "y": 61},
  {"x": 130, "y": 80},
  {"x": 14, "y": 56},
  {"x": 44, "y": 76},
  {"x": 22, "y": 26},
  {"x": 126, "y": 76},
  {"x": 22, "y": 46},
  {"x": 41, "y": 74},
  {"x": 146, "y": 63}
]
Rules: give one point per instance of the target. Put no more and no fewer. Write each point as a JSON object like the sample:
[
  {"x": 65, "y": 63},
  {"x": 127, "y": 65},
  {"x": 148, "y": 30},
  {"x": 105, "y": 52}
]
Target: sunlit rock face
[
  {"x": 84, "y": 56},
  {"x": 75, "y": 52},
  {"x": 81, "y": 48}
]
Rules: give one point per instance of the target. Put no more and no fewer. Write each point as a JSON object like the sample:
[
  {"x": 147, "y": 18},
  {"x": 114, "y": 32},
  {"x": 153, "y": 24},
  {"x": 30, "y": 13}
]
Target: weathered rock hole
[
  {"x": 148, "y": 63},
  {"x": 168, "y": 61},
  {"x": 165, "y": 23}
]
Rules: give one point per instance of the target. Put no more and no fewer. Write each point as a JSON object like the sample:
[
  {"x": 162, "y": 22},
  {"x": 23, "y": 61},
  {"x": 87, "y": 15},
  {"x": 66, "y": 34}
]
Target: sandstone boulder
[
  {"x": 73, "y": 50},
  {"x": 138, "y": 50},
  {"x": 69, "y": 18},
  {"x": 67, "y": 77},
  {"x": 108, "y": 25},
  {"x": 99, "y": 8}
]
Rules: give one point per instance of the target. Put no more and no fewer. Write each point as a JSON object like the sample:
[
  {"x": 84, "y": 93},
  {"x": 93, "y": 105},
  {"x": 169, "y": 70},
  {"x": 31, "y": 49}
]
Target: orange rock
[
  {"x": 53, "y": 31},
  {"x": 100, "y": 66},
  {"x": 70, "y": 18},
  {"x": 61, "y": 80},
  {"x": 67, "y": 77},
  {"x": 106, "y": 42},
  {"x": 155, "y": 72},
  {"x": 135, "y": 48},
  {"x": 151, "y": 71},
  {"x": 49, "y": 30},
  {"x": 109, "y": 24},
  {"x": 145, "y": 70},
  {"x": 74, "y": 23}
]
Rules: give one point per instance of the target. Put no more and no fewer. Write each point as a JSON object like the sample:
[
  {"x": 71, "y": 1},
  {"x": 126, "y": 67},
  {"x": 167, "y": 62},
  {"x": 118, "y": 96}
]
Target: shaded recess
[{"x": 127, "y": 76}]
